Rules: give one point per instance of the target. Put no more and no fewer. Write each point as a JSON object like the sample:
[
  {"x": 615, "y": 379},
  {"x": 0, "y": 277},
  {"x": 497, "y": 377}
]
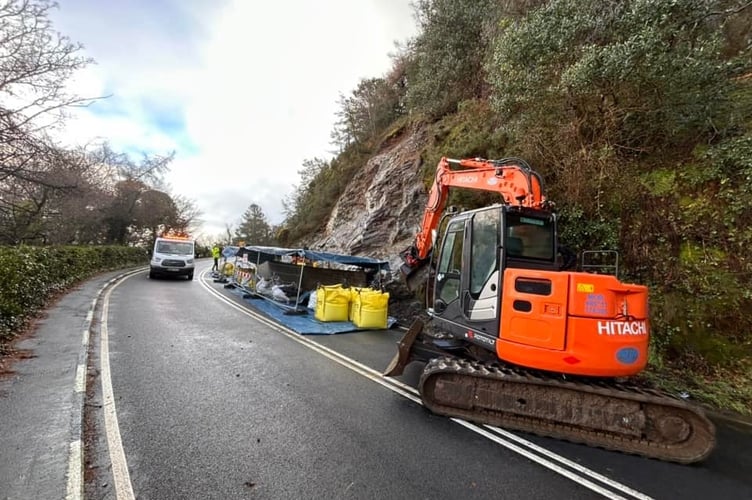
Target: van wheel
[
  {"x": 190, "y": 276},
  {"x": 152, "y": 275}
]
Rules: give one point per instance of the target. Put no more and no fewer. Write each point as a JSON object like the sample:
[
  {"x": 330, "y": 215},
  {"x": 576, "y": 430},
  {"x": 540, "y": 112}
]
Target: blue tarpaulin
[
  {"x": 295, "y": 315},
  {"x": 348, "y": 260},
  {"x": 301, "y": 321}
]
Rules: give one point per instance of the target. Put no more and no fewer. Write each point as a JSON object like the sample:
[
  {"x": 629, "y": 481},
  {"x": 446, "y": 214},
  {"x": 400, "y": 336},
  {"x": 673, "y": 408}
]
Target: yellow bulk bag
[
  {"x": 355, "y": 301},
  {"x": 370, "y": 308},
  {"x": 229, "y": 268},
  {"x": 354, "y": 292},
  {"x": 332, "y": 303}
]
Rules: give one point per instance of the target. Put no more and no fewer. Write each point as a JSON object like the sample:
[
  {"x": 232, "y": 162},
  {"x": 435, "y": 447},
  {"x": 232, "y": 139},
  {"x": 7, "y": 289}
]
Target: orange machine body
[
  {"x": 498, "y": 281},
  {"x": 573, "y": 323},
  {"x": 509, "y": 296}
]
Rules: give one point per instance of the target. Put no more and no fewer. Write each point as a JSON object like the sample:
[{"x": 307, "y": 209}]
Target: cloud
[{"x": 242, "y": 91}]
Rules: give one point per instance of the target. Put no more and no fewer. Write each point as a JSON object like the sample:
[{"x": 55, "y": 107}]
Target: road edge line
[{"x": 74, "y": 478}]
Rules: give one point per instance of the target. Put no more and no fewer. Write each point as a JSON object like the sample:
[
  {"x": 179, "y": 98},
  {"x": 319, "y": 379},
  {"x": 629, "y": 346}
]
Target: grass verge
[{"x": 724, "y": 391}]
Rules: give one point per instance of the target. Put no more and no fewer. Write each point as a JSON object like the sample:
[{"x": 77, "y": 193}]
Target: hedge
[{"x": 31, "y": 276}]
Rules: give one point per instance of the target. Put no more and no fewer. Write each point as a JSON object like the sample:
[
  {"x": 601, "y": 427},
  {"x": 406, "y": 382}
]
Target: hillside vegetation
[{"x": 638, "y": 114}]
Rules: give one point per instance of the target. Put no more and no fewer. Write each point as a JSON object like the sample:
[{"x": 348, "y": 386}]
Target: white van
[{"x": 174, "y": 256}]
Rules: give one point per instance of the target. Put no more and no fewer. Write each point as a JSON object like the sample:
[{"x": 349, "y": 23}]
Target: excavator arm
[{"x": 511, "y": 178}]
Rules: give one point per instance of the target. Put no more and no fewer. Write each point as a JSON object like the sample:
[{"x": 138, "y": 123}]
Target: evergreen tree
[{"x": 254, "y": 228}]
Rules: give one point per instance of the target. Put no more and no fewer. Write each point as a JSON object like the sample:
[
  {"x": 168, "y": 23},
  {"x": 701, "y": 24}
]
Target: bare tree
[
  {"x": 119, "y": 166},
  {"x": 227, "y": 237},
  {"x": 188, "y": 214},
  {"x": 49, "y": 194},
  {"x": 37, "y": 173},
  {"x": 35, "y": 64}
]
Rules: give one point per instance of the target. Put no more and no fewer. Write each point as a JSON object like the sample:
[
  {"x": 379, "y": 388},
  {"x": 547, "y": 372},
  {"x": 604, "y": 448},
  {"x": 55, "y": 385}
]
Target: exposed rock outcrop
[{"x": 382, "y": 207}]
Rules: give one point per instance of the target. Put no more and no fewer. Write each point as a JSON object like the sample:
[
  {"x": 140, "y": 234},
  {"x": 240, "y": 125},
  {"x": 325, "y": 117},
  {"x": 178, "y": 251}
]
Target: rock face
[{"x": 382, "y": 207}]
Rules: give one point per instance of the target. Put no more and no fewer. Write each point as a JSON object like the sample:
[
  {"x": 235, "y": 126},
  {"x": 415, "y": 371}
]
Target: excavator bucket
[
  {"x": 414, "y": 270},
  {"x": 415, "y": 277},
  {"x": 402, "y": 358}
]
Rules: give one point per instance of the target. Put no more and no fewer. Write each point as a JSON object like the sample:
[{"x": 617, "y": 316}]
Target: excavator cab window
[
  {"x": 484, "y": 250},
  {"x": 448, "y": 273},
  {"x": 530, "y": 237}
]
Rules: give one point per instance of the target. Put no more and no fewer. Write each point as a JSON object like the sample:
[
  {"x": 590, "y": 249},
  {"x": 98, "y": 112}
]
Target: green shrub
[{"x": 30, "y": 276}]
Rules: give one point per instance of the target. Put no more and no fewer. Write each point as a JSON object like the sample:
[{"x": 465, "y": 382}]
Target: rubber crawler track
[{"x": 599, "y": 413}]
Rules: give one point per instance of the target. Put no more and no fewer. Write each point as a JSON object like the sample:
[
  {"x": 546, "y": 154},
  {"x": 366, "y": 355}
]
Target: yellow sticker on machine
[{"x": 585, "y": 287}]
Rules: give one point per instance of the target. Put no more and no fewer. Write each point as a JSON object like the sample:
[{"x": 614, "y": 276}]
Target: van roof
[{"x": 173, "y": 238}]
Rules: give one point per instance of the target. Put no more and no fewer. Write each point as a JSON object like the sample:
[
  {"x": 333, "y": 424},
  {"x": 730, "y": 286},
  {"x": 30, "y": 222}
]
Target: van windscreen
[{"x": 175, "y": 247}]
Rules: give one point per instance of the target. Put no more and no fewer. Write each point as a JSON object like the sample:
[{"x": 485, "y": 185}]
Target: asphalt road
[{"x": 213, "y": 403}]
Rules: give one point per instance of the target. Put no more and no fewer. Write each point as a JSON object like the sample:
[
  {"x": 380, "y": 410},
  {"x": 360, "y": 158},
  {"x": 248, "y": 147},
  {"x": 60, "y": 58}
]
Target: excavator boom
[{"x": 511, "y": 178}]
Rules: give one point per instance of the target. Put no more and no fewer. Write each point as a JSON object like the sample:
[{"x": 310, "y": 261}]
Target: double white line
[{"x": 582, "y": 475}]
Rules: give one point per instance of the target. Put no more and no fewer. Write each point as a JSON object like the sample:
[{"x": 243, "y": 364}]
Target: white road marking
[
  {"x": 74, "y": 485},
  {"x": 569, "y": 463},
  {"x": 121, "y": 476},
  {"x": 502, "y": 437},
  {"x": 74, "y": 481},
  {"x": 80, "y": 383},
  {"x": 540, "y": 460}
]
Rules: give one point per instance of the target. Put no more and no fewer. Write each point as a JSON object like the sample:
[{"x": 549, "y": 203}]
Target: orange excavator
[{"x": 518, "y": 340}]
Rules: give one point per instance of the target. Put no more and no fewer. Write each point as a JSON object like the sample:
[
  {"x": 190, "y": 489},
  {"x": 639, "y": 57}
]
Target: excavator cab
[
  {"x": 499, "y": 293},
  {"x": 477, "y": 247}
]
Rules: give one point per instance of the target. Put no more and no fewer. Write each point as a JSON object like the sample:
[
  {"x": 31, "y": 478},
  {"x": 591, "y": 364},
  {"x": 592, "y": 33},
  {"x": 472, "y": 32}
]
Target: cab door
[
  {"x": 482, "y": 289},
  {"x": 466, "y": 292},
  {"x": 449, "y": 270}
]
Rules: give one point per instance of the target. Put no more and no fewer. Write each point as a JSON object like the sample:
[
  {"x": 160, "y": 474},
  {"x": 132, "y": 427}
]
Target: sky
[{"x": 243, "y": 91}]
